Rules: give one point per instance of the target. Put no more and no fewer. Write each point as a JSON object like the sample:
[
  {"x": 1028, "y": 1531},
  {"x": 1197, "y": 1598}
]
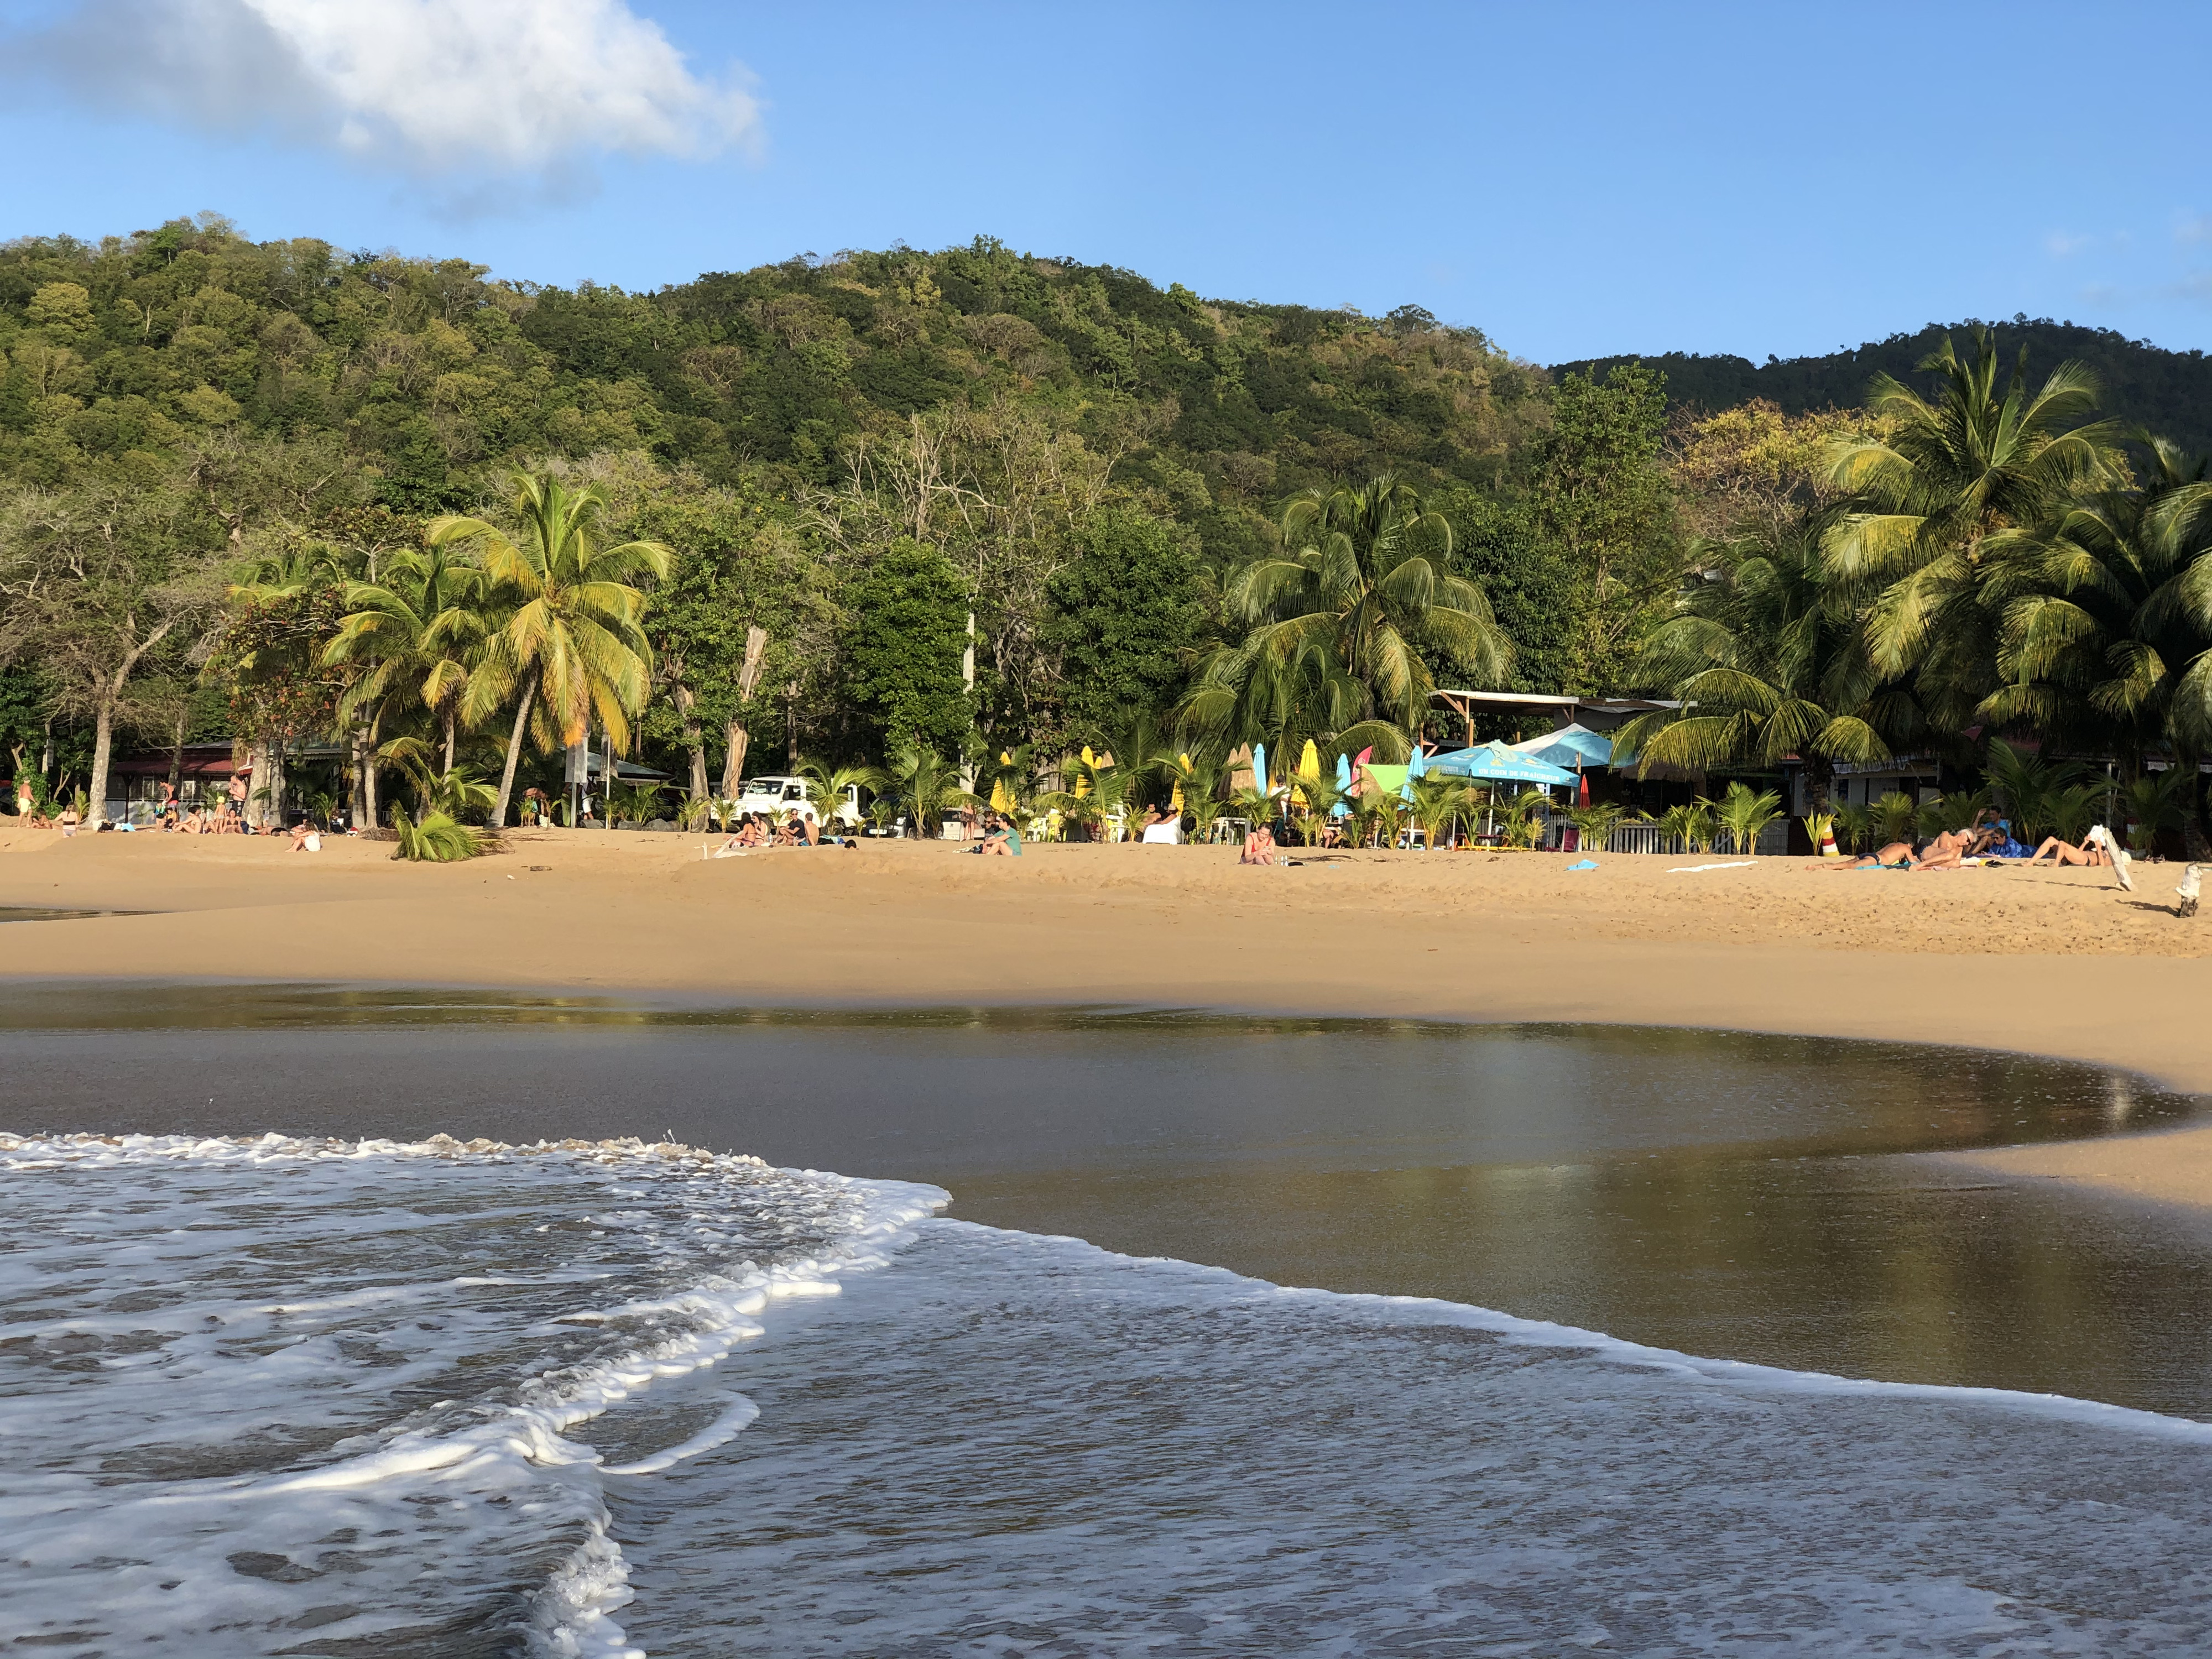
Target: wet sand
[{"x": 2048, "y": 961}]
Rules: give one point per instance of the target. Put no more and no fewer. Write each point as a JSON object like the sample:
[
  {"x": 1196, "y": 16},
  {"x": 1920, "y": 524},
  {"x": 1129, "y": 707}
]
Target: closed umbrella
[
  {"x": 1260, "y": 766},
  {"x": 1343, "y": 787},
  {"x": 1417, "y": 766},
  {"x": 1175, "y": 800},
  {"x": 1083, "y": 778},
  {"x": 1309, "y": 769}
]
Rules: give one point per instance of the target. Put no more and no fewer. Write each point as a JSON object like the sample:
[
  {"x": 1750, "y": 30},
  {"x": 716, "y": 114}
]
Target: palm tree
[
  {"x": 1744, "y": 813},
  {"x": 926, "y": 784},
  {"x": 1769, "y": 663},
  {"x": 826, "y": 786},
  {"x": 415, "y": 631},
  {"x": 2105, "y": 615},
  {"x": 1925, "y": 506},
  {"x": 572, "y": 647},
  {"x": 413, "y": 634},
  {"x": 1339, "y": 622}
]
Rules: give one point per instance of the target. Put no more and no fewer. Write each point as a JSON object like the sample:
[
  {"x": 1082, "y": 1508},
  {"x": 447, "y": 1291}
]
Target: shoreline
[{"x": 2054, "y": 963}]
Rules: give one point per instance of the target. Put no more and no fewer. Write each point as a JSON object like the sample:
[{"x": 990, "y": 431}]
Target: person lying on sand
[
  {"x": 2062, "y": 852},
  {"x": 1943, "y": 852},
  {"x": 1259, "y": 846}
]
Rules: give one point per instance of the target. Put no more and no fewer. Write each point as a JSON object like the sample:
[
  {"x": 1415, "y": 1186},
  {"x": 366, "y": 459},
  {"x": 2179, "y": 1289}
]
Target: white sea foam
[
  {"x": 332, "y": 1397},
  {"x": 279, "y": 1393},
  {"x": 1014, "y": 1444}
]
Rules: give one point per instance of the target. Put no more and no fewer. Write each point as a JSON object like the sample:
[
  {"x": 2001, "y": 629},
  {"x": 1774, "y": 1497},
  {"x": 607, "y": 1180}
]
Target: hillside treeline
[{"x": 972, "y": 500}]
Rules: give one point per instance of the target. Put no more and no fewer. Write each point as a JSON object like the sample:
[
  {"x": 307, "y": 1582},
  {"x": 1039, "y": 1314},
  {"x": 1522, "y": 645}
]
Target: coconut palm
[
  {"x": 1437, "y": 805},
  {"x": 572, "y": 648},
  {"x": 1743, "y": 813},
  {"x": 826, "y": 786},
  {"x": 926, "y": 784},
  {"x": 2105, "y": 615},
  {"x": 2030, "y": 787},
  {"x": 1340, "y": 622},
  {"x": 1928, "y": 507},
  {"x": 413, "y": 633},
  {"x": 1768, "y": 663}
]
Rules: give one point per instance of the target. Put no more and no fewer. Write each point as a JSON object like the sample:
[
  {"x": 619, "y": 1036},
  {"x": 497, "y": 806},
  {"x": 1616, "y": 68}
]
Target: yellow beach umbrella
[
  {"x": 1000, "y": 800},
  {"x": 1083, "y": 779},
  {"x": 1175, "y": 800},
  {"x": 1308, "y": 769}
]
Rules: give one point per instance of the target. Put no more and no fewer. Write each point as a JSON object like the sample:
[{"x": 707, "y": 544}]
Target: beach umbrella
[
  {"x": 1175, "y": 799},
  {"x": 1083, "y": 779},
  {"x": 1308, "y": 769},
  {"x": 1417, "y": 766},
  {"x": 1260, "y": 766},
  {"x": 1500, "y": 764},
  {"x": 1000, "y": 800},
  {"x": 1343, "y": 787},
  {"x": 1570, "y": 746}
]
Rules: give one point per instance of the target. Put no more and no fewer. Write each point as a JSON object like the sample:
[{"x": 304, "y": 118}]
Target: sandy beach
[{"x": 2048, "y": 961}]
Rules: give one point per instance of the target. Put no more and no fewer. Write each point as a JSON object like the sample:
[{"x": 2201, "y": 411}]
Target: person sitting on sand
[
  {"x": 304, "y": 838},
  {"x": 1259, "y": 846},
  {"x": 195, "y": 822},
  {"x": 785, "y": 834},
  {"x": 1001, "y": 839},
  {"x": 70, "y": 819},
  {"x": 2061, "y": 852}
]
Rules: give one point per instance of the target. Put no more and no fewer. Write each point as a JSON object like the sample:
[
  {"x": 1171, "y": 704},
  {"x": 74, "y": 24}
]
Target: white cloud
[
  {"x": 2061, "y": 245},
  {"x": 437, "y": 86},
  {"x": 2193, "y": 227}
]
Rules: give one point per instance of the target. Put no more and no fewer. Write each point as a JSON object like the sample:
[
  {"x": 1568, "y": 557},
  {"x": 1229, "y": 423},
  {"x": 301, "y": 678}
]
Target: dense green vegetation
[
  {"x": 915, "y": 507},
  {"x": 2168, "y": 392}
]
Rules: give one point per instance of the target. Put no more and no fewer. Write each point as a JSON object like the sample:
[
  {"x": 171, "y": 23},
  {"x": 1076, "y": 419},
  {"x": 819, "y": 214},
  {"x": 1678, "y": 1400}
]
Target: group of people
[
  {"x": 1951, "y": 849},
  {"x": 763, "y": 829}
]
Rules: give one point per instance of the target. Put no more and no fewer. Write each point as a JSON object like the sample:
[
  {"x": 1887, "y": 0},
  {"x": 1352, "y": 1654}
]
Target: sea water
[{"x": 334, "y": 1398}]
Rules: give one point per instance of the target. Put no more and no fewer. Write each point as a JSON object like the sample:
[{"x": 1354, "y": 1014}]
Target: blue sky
[{"x": 1575, "y": 180}]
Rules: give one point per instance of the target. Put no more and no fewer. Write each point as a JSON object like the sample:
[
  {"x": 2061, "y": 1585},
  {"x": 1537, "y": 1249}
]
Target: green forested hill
[
  {"x": 2170, "y": 393},
  {"x": 872, "y": 465}
]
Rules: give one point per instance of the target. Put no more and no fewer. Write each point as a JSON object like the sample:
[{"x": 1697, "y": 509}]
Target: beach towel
[
  {"x": 1587, "y": 864},
  {"x": 1692, "y": 869}
]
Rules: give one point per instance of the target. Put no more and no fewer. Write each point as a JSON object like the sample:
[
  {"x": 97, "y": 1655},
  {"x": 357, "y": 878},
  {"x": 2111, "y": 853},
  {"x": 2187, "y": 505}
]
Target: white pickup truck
[{"x": 775, "y": 794}]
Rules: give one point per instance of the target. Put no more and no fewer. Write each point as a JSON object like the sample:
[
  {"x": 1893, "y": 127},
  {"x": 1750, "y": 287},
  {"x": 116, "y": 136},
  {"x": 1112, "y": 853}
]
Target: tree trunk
[
  {"x": 515, "y": 749},
  {"x": 451, "y": 720},
  {"x": 177, "y": 757},
  {"x": 369, "y": 776},
  {"x": 355, "y": 796},
  {"x": 695, "y": 739},
  {"x": 733, "y": 762},
  {"x": 264, "y": 801},
  {"x": 103, "y": 746}
]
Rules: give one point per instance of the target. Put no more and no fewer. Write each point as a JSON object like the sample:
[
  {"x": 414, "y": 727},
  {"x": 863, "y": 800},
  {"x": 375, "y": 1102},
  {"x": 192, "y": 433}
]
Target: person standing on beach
[{"x": 236, "y": 790}]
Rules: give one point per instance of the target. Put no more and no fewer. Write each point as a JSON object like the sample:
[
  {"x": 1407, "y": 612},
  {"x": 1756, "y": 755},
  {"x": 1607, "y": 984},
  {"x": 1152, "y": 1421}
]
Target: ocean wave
[{"x": 309, "y": 1393}]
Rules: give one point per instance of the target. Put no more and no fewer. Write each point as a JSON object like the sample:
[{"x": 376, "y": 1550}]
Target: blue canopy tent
[
  {"x": 1572, "y": 746},
  {"x": 1495, "y": 763}
]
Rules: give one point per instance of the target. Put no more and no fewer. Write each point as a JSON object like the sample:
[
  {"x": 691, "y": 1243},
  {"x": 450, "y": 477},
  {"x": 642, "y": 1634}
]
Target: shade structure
[
  {"x": 1496, "y": 762},
  {"x": 1572, "y": 746},
  {"x": 1384, "y": 779}
]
